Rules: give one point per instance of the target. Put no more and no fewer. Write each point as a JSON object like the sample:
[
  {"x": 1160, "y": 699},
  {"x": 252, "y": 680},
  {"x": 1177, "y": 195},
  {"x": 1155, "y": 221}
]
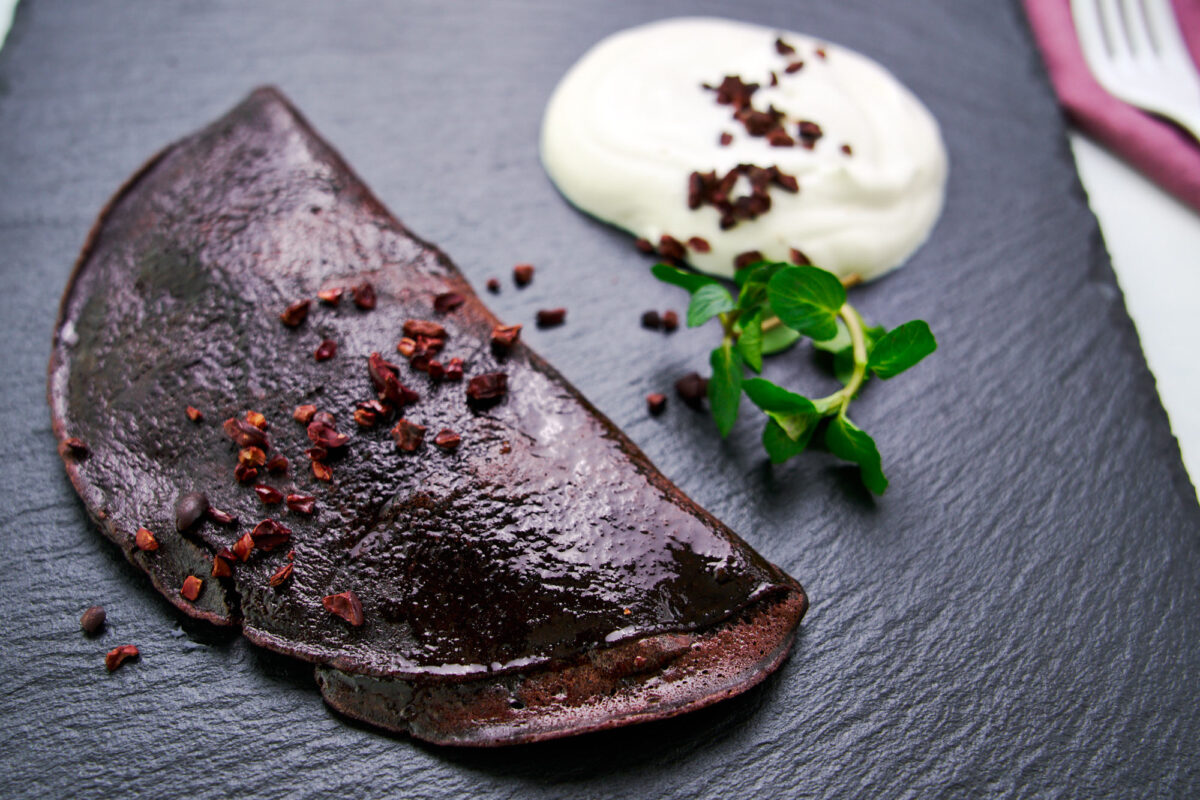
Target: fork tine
[
  {"x": 1134, "y": 15},
  {"x": 1092, "y": 37},
  {"x": 1165, "y": 29},
  {"x": 1112, "y": 19}
]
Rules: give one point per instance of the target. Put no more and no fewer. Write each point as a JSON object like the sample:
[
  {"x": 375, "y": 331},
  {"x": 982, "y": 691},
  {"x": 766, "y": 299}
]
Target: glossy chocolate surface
[{"x": 544, "y": 535}]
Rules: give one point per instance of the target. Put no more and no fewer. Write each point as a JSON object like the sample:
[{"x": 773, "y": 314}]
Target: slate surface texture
[{"x": 1018, "y": 616}]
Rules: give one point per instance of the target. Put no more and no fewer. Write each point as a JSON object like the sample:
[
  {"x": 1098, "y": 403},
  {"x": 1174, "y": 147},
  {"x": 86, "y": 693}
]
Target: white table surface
[{"x": 1154, "y": 242}]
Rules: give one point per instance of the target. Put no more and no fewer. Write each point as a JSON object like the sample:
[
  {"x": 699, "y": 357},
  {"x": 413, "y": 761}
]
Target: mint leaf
[
  {"x": 749, "y": 343},
  {"x": 778, "y": 339},
  {"x": 836, "y": 343},
  {"x": 779, "y": 446},
  {"x": 707, "y": 302},
  {"x": 807, "y": 299},
  {"x": 795, "y": 414},
  {"x": 846, "y": 440},
  {"x": 901, "y": 348},
  {"x": 759, "y": 273},
  {"x": 678, "y": 277},
  {"x": 725, "y": 387}
]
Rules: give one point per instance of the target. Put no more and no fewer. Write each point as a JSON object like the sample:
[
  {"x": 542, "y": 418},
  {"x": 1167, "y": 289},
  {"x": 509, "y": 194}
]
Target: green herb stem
[{"x": 859, "y": 343}]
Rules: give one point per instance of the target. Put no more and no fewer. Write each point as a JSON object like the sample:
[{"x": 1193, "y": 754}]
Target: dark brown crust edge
[{"x": 680, "y": 673}]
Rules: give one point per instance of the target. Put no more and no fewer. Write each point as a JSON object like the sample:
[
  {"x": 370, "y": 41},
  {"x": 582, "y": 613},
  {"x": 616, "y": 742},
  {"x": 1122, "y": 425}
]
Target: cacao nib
[
  {"x": 423, "y": 327},
  {"x": 330, "y": 297},
  {"x": 656, "y": 403},
  {"x": 523, "y": 274},
  {"x": 487, "y": 389},
  {"x": 454, "y": 369},
  {"x": 364, "y": 296},
  {"x": 269, "y": 534},
  {"x": 244, "y": 474},
  {"x": 847, "y": 149},
  {"x": 692, "y": 389},
  {"x": 406, "y": 347},
  {"x": 774, "y": 78},
  {"x": 794, "y": 67},
  {"x": 119, "y": 655},
  {"x": 734, "y": 92},
  {"x": 447, "y": 439},
  {"x": 245, "y": 434},
  {"x": 820, "y": 51},
  {"x": 243, "y": 546},
  {"x": 220, "y": 517},
  {"x": 365, "y": 418},
  {"x": 269, "y": 495},
  {"x": 301, "y": 503},
  {"x": 304, "y": 414},
  {"x": 651, "y": 320},
  {"x": 778, "y": 137},
  {"x": 783, "y": 48},
  {"x": 257, "y": 420},
  {"x": 325, "y": 418},
  {"x": 493, "y": 285},
  {"x": 223, "y": 563},
  {"x": 726, "y": 139},
  {"x": 669, "y": 246},
  {"x": 505, "y": 336},
  {"x": 643, "y": 245},
  {"x": 326, "y": 350},
  {"x": 252, "y": 456},
  {"x": 92, "y": 621},
  {"x": 797, "y": 257},
  {"x": 277, "y": 464},
  {"x": 281, "y": 575},
  {"x": 189, "y": 508},
  {"x": 436, "y": 370},
  {"x": 191, "y": 588},
  {"x": 551, "y": 317},
  {"x": 145, "y": 540},
  {"x": 747, "y": 258},
  {"x": 324, "y": 435},
  {"x": 345, "y": 605},
  {"x": 699, "y": 244},
  {"x": 408, "y": 435},
  {"x": 317, "y": 453},
  {"x": 194, "y": 414},
  {"x": 670, "y": 321},
  {"x": 809, "y": 132},
  {"x": 294, "y": 314},
  {"x": 446, "y": 302}
]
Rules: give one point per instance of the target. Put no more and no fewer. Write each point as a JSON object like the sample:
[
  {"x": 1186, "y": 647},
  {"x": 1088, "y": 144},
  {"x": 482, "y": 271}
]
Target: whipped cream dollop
[{"x": 660, "y": 130}]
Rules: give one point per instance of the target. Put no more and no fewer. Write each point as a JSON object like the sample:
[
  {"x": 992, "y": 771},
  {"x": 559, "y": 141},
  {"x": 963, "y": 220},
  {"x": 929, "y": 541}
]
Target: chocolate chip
[
  {"x": 92, "y": 621},
  {"x": 692, "y": 389}
]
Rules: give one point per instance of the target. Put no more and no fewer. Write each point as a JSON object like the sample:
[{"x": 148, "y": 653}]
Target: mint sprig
[{"x": 776, "y": 305}]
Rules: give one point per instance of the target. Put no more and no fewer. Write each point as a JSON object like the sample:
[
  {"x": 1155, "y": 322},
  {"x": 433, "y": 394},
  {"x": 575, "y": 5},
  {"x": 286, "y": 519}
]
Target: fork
[{"x": 1135, "y": 50}]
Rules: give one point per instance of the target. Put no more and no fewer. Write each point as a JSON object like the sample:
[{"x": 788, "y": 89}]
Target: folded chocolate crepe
[{"x": 297, "y": 418}]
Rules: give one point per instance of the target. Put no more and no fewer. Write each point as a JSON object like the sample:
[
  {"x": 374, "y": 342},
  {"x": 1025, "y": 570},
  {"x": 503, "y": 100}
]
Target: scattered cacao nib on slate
[
  {"x": 269, "y": 534},
  {"x": 191, "y": 588},
  {"x": 188, "y": 509},
  {"x": 244, "y": 434},
  {"x": 327, "y": 418},
  {"x": 257, "y": 420},
  {"x": 322, "y": 471},
  {"x": 651, "y": 320},
  {"x": 301, "y": 503},
  {"x": 692, "y": 389},
  {"x": 295, "y": 314},
  {"x": 243, "y": 473},
  {"x": 551, "y": 317},
  {"x": 414, "y": 328},
  {"x": 454, "y": 369},
  {"x": 194, "y": 414},
  {"x": 119, "y": 655},
  {"x": 346, "y": 605},
  {"x": 252, "y": 456},
  {"x": 304, "y": 414},
  {"x": 145, "y": 541},
  {"x": 670, "y": 321},
  {"x": 408, "y": 435},
  {"x": 92, "y": 621},
  {"x": 505, "y": 336},
  {"x": 325, "y": 435},
  {"x": 278, "y": 464},
  {"x": 330, "y": 297},
  {"x": 220, "y": 517},
  {"x": 364, "y": 296},
  {"x": 471, "y": 593},
  {"x": 407, "y": 347},
  {"x": 447, "y": 439},
  {"x": 281, "y": 575},
  {"x": 446, "y": 302},
  {"x": 326, "y": 350},
  {"x": 523, "y": 274},
  {"x": 487, "y": 389},
  {"x": 493, "y": 285},
  {"x": 656, "y": 403},
  {"x": 365, "y": 418}
]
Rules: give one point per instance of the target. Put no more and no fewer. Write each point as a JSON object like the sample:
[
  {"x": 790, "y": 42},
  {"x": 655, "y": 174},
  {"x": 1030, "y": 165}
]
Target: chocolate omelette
[{"x": 296, "y": 417}]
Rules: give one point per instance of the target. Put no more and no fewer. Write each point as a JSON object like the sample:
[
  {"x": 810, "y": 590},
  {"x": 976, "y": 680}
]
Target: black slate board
[{"x": 1019, "y": 615}]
